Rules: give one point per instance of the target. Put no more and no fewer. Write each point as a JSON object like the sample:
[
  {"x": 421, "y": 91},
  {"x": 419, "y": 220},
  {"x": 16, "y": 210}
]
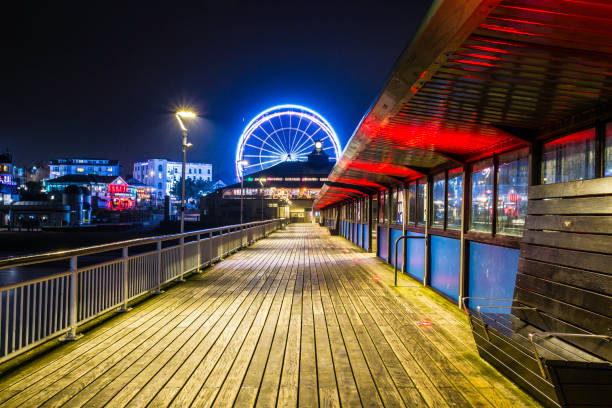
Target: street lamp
[
  {"x": 242, "y": 164},
  {"x": 180, "y": 115}
]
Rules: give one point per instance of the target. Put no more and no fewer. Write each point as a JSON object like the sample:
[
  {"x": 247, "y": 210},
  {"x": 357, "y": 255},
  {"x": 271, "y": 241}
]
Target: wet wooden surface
[{"x": 299, "y": 318}]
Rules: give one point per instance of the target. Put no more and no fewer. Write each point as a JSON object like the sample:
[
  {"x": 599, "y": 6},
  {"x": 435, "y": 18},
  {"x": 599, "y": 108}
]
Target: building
[
  {"x": 163, "y": 174},
  {"x": 145, "y": 195},
  {"x": 100, "y": 167},
  {"x": 287, "y": 189},
  {"x": 107, "y": 192},
  {"x": 8, "y": 181}
]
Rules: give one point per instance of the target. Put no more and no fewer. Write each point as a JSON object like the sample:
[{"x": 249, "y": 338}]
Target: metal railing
[
  {"x": 38, "y": 310},
  {"x": 403, "y": 260}
]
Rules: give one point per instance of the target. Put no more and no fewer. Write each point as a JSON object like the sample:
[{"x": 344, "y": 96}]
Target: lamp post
[
  {"x": 242, "y": 164},
  {"x": 180, "y": 115}
]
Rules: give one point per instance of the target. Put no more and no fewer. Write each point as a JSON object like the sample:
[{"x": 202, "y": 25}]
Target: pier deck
[{"x": 299, "y": 318}]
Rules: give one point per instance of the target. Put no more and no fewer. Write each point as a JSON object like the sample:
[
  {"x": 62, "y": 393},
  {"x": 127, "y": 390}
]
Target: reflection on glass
[
  {"x": 421, "y": 200},
  {"x": 393, "y": 206},
  {"x": 512, "y": 182},
  {"x": 358, "y": 210},
  {"x": 400, "y": 205},
  {"x": 455, "y": 198},
  {"x": 438, "y": 200},
  {"x": 412, "y": 203},
  {"x": 381, "y": 208},
  {"x": 608, "y": 152},
  {"x": 569, "y": 158},
  {"x": 482, "y": 196}
]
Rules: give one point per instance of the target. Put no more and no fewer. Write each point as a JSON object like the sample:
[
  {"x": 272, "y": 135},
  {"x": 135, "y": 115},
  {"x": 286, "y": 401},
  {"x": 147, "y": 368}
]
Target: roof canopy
[{"x": 479, "y": 77}]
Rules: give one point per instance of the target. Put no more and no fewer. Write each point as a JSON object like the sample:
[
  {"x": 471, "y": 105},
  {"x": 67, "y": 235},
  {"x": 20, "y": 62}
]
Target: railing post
[
  {"x": 199, "y": 253},
  {"x": 124, "y": 267},
  {"x": 71, "y": 335},
  {"x": 210, "y": 246},
  {"x": 182, "y": 244},
  {"x": 158, "y": 290}
]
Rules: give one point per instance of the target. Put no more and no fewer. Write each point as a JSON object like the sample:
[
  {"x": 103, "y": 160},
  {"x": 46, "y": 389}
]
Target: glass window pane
[
  {"x": 381, "y": 207},
  {"x": 421, "y": 200},
  {"x": 569, "y": 158},
  {"x": 455, "y": 199},
  {"x": 393, "y": 206},
  {"x": 374, "y": 210},
  {"x": 400, "y": 205},
  {"x": 358, "y": 210},
  {"x": 513, "y": 180},
  {"x": 482, "y": 196},
  {"x": 608, "y": 152},
  {"x": 438, "y": 200},
  {"x": 412, "y": 203}
]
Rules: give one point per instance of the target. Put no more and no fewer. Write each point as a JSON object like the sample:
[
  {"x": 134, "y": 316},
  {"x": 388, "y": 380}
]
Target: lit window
[
  {"x": 381, "y": 208},
  {"x": 438, "y": 200},
  {"x": 455, "y": 199},
  {"x": 482, "y": 196},
  {"x": 412, "y": 203},
  {"x": 569, "y": 158},
  {"x": 421, "y": 200},
  {"x": 80, "y": 169},
  {"x": 608, "y": 152},
  {"x": 513, "y": 180}
]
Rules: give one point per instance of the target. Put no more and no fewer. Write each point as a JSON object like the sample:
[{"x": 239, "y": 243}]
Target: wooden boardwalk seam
[{"x": 298, "y": 319}]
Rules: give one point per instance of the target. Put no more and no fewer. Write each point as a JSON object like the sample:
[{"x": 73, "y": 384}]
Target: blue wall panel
[
  {"x": 415, "y": 252},
  {"x": 382, "y": 243},
  {"x": 395, "y": 234},
  {"x": 359, "y": 243},
  {"x": 492, "y": 273},
  {"x": 445, "y": 265},
  {"x": 354, "y": 231},
  {"x": 366, "y": 236}
]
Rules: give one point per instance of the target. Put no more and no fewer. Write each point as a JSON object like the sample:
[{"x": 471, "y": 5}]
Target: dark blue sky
[{"x": 102, "y": 80}]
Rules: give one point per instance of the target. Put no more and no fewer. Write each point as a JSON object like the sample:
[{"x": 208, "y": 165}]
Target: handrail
[
  {"x": 539, "y": 359},
  {"x": 94, "y": 249},
  {"x": 43, "y": 308},
  {"x": 396, "y": 242}
]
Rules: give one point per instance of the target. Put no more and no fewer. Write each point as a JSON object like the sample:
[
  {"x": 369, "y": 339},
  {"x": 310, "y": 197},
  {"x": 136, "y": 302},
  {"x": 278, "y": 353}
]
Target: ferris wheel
[{"x": 284, "y": 133}]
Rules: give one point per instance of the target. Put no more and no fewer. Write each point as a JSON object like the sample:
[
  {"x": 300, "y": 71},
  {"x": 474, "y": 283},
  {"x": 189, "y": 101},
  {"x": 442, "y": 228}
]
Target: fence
[{"x": 35, "y": 311}]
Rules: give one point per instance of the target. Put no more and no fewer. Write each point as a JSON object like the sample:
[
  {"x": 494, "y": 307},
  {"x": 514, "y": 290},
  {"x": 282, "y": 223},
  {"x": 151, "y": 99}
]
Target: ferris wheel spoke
[
  {"x": 266, "y": 142},
  {"x": 310, "y": 138},
  {"x": 259, "y": 156},
  {"x": 262, "y": 163},
  {"x": 262, "y": 148},
  {"x": 275, "y": 133},
  {"x": 297, "y": 129},
  {"x": 301, "y": 137}
]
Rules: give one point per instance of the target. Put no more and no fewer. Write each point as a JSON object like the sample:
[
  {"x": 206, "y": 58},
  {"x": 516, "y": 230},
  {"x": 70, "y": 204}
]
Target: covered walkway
[{"x": 299, "y": 318}]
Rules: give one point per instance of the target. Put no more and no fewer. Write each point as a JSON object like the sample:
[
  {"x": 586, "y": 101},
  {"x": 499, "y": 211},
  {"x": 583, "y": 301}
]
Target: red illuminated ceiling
[{"x": 478, "y": 80}]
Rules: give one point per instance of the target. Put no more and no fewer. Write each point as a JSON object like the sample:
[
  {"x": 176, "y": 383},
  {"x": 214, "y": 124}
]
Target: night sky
[{"x": 101, "y": 79}]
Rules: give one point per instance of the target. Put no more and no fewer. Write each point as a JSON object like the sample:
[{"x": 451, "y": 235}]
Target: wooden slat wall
[{"x": 565, "y": 266}]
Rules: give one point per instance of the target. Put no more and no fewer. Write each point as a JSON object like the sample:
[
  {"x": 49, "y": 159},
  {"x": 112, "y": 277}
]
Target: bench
[{"x": 554, "y": 337}]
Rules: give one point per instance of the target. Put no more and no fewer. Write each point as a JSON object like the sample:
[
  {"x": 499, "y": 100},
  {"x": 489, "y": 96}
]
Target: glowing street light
[
  {"x": 180, "y": 115},
  {"x": 242, "y": 164}
]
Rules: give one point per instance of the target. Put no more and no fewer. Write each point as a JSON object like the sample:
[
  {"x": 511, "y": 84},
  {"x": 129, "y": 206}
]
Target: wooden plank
[
  {"x": 584, "y": 299},
  {"x": 564, "y": 257},
  {"x": 598, "y": 186},
  {"x": 571, "y": 241},
  {"x": 578, "y": 278},
  {"x": 571, "y": 206},
  {"x": 593, "y": 322},
  {"x": 592, "y": 224}
]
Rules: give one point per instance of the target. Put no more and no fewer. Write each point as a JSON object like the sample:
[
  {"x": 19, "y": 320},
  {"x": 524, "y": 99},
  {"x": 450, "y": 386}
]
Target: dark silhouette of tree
[{"x": 193, "y": 188}]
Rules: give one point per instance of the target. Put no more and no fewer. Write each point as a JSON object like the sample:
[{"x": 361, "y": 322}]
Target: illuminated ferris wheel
[{"x": 283, "y": 133}]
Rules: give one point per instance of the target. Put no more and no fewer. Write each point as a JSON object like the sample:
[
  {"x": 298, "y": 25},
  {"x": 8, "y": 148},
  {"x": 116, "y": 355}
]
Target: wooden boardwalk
[{"x": 300, "y": 318}]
